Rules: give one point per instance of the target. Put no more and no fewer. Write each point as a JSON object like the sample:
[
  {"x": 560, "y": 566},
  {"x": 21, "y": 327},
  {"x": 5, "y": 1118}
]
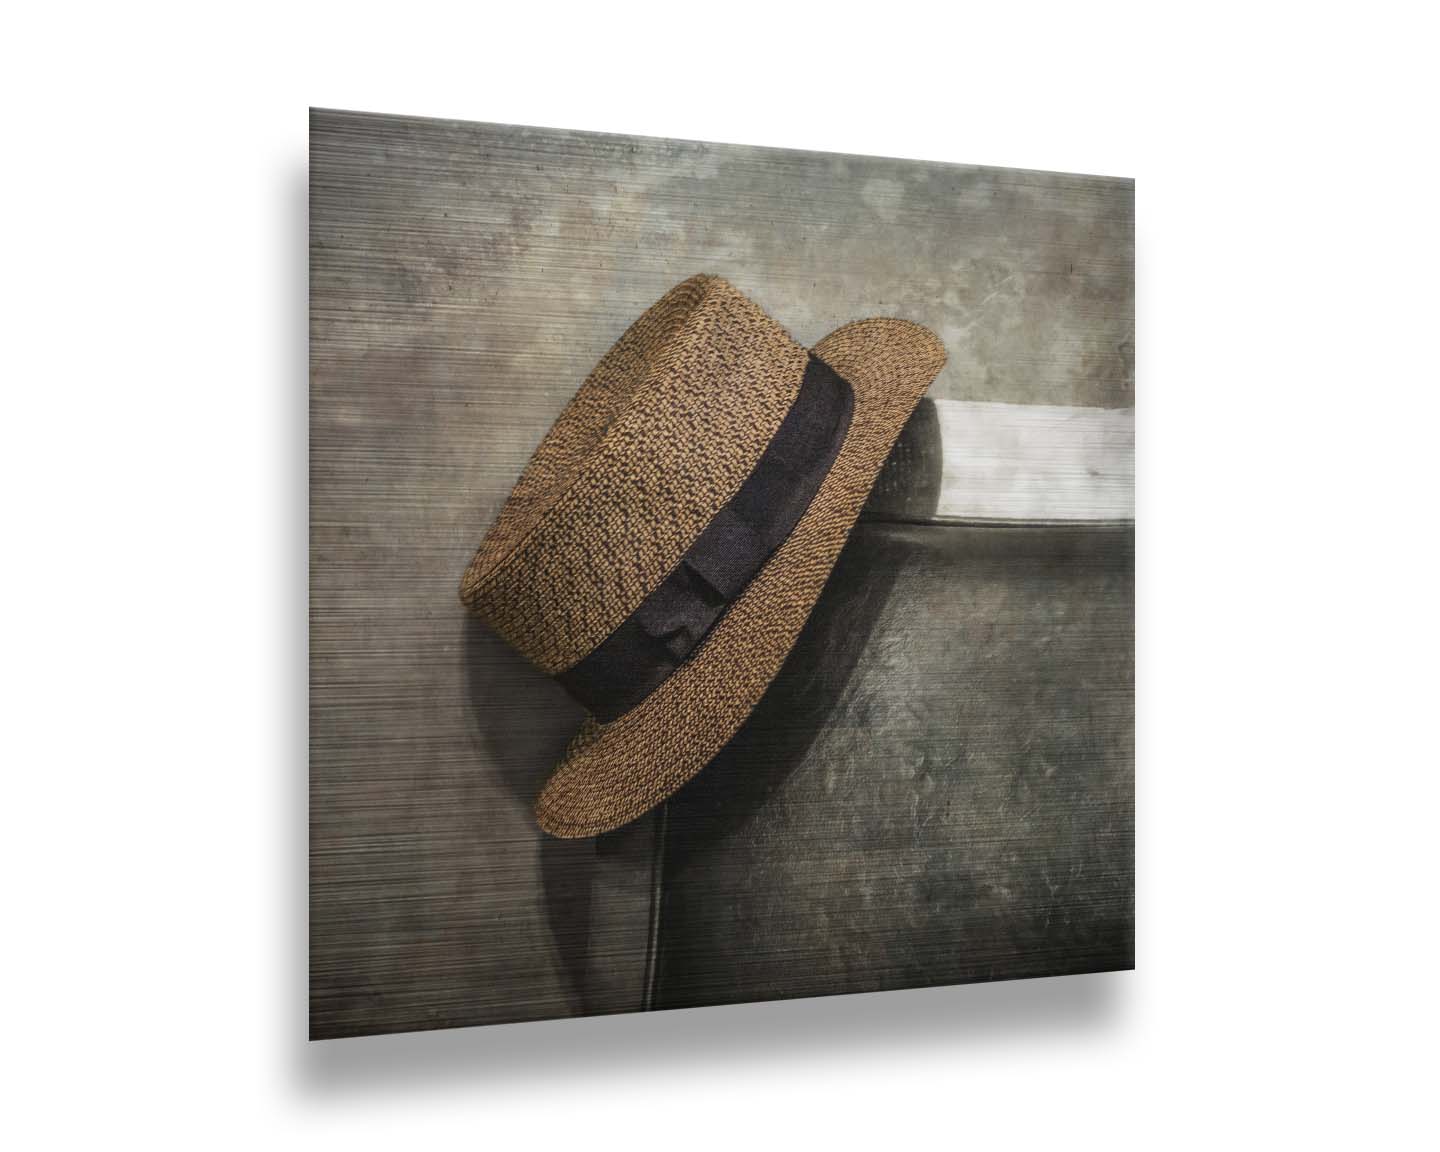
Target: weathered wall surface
[{"x": 464, "y": 278}]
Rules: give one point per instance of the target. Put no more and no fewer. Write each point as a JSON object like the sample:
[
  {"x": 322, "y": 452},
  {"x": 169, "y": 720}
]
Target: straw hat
[{"x": 671, "y": 534}]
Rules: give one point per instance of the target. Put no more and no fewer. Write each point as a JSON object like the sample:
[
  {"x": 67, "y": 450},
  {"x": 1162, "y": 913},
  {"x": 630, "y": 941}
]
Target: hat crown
[{"x": 659, "y": 437}]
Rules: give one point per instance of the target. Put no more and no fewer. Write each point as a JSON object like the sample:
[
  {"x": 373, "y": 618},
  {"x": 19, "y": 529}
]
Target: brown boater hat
[{"x": 671, "y": 534}]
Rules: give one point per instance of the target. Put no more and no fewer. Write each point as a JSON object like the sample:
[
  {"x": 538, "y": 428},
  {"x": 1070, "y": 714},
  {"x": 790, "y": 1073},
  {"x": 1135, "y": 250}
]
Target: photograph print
[{"x": 721, "y": 574}]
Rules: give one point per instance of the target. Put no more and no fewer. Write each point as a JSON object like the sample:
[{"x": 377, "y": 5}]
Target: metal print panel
[{"x": 919, "y": 768}]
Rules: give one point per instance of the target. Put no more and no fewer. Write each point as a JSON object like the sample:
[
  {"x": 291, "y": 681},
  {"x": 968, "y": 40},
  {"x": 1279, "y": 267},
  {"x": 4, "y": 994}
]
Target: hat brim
[{"x": 614, "y": 772}]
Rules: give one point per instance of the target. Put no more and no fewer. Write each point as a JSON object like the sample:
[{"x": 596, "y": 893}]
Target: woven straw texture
[
  {"x": 658, "y": 439},
  {"x": 614, "y": 772}
]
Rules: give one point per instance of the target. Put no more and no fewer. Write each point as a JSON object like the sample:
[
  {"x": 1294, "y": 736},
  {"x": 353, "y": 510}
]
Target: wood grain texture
[
  {"x": 978, "y": 462},
  {"x": 464, "y": 278},
  {"x": 1035, "y": 462}
]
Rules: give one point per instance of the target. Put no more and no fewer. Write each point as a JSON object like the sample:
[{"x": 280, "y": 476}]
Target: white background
[{"x": 154, "y": 576}]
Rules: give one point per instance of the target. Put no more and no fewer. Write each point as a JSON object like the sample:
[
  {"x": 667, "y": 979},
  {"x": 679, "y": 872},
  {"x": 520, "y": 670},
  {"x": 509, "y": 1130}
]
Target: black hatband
[{"x": 669, "y": 624}]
